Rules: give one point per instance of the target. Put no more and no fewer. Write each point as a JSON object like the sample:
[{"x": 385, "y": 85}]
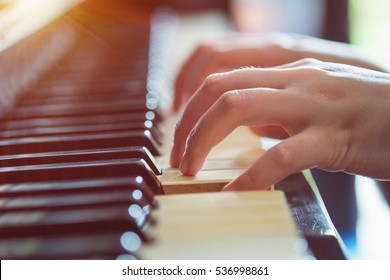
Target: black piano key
[
  {"x": 78, "y": 142},
  {"x": 134, "y": 186},
  {"x": 114, "y": 245},
  {"x": 73, "y": 129},
  {"x": 83, "y": 129},
  {"x": 132, "y": 105},
  {"x": 82, "y": 155},
  {"x": 35, "y": 99},
  {"x": 82, "y": 221},
  {"x": 129, "y": 78},
  {"x": 112, "y": 97},
  {"x": 73, "y": 201},
  {"x": 69, "y": 85},
  {"x": 81, "y": 170},
  {"x": 136, "y": 117}
]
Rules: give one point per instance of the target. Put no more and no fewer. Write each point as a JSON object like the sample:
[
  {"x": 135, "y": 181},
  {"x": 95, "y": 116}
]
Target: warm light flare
[{"x": 19, "y": 18}]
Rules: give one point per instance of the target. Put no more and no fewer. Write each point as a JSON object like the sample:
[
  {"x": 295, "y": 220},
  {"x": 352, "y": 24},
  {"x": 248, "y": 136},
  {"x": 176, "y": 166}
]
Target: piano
[{"x": 82, "y": 118}]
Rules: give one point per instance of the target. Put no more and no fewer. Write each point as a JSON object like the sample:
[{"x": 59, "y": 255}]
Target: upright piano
[{"x": 82, "y": 92}]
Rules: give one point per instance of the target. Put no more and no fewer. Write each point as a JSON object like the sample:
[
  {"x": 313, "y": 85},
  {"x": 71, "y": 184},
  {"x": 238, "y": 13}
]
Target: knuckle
[
  {"x": 210, "y": 83},
  {"x": 309, "y": 61},
  {"x": 230, "y": 101},
  {"x": 315, "y": 73}
]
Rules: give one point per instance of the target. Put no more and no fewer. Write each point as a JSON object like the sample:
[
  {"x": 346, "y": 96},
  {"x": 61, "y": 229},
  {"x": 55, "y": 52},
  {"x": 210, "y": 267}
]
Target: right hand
[{"x": 336, "y": 116}]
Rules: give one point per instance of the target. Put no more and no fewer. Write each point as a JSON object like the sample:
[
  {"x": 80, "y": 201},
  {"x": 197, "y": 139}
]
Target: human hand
[
  {"x": 265, "y": 50},
  {"x": 337, "y": 118}
]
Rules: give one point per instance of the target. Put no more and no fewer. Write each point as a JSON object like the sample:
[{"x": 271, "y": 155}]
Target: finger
[
  {"x": 183, "y": 76},
  {"x": 197, "y": 68},
  {"x": 214, "y": 86},
  {"x": 299, "y": 152},
  {"x": 217, "y": 63},
  {"x": 222, "y": 60},
  {"x": 189, "y": 73},
  {"x": 230, "y": 53},
  {"x": 230, "y": 111}
]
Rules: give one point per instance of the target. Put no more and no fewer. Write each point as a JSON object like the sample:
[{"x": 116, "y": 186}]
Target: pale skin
[{"x": 333, "y": 114}]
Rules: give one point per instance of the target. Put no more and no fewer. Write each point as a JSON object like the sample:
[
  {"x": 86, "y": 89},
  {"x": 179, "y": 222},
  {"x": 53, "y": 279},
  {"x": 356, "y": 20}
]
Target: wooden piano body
[{"x": 81, "y": 144}]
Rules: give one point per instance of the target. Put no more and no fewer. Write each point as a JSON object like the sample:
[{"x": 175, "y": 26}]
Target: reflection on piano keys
[{"x": 83, "y": 154}]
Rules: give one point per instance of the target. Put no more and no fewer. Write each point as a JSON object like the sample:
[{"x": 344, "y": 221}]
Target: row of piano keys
[{"x": 78, "y": 174}]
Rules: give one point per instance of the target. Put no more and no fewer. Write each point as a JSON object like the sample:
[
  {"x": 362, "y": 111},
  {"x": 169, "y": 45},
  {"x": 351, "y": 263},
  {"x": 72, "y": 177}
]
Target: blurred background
[{"x": 370, "y": 28}]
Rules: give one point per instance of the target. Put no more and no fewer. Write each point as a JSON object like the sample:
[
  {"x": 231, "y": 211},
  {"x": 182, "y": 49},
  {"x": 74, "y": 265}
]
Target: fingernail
[{"x": 184, "y": 165}]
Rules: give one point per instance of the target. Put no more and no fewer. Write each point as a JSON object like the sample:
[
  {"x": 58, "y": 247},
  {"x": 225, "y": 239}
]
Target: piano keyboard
[
  {"x": 244, "y": 225},
  {"x": 83, "y": 162}
]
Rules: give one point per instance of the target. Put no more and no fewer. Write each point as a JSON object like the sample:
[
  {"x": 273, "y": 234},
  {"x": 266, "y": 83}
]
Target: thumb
[{"x": 290, "y": 156}]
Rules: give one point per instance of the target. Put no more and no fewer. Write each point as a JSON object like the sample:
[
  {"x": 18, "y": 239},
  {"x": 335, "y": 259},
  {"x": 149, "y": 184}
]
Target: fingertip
[
  {"x": 186, "y": 168},
  {"x": 176, "y": 151},
  {"x": 190, "y": 165},
  {"x": 229, "y": 187},
  {"x": 184, "y": 165},
  {"x": 174, "y": 162}
]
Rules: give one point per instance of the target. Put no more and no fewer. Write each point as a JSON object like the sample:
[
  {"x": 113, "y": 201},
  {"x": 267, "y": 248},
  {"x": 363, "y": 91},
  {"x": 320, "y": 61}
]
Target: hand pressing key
[{"x": 336, "y": 116}]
